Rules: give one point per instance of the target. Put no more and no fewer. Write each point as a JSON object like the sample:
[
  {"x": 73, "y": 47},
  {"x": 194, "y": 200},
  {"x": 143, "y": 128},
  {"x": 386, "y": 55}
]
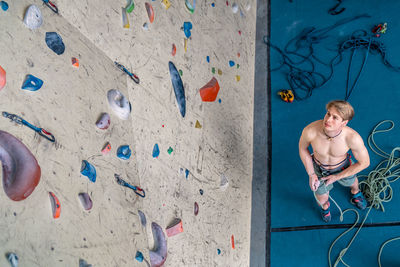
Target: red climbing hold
[{"x": 210, "y": 91}]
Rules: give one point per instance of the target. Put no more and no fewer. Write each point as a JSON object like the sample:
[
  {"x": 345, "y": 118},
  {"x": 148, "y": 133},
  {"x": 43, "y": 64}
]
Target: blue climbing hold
[
  {"x": 213, "y": 4},
  {"x": 88, "y": 170},
  {"x": 218, "y": 251},
  {"x": 231, "y": 63},
  {"x": 208, "y": 59},
  {"x": 187, "y": 26},
  {"x": 179, "y": 90},
  {"x": 156, "y": 151},
  {"x": 186, "y": 173},
  {"x": 124, "y": 152},
  {"x": 32, "y": 83},
  {"x": 4, "y": 5},
  {"x": 55, "y": 43},
  {"x": 139, "y": 256}
]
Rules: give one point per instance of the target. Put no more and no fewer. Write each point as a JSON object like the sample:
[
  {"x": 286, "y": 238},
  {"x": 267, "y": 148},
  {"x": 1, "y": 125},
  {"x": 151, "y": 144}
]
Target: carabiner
[
  {"x": 19, "y": 120},
  {"x": 51, "y": 5},
  {"x": 133, "y": 76},
  {"x": 135, "y": 189}
]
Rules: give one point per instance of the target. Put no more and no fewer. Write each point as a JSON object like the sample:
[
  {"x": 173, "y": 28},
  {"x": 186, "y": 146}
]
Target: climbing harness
[
  {"x": 19, "y": 120},
  {"x": 135, "y": 189},
  {"x": 51, "y": 5},
  {"x": 334, "y": 10},
  {"x": 376, "y": 189},
  {"x": 133, "y": 76}
]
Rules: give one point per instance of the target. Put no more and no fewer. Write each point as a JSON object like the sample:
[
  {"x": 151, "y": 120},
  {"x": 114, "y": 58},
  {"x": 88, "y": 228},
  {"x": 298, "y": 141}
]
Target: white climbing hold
[
  {"x": 33, "y": 17},
  {"x": 119, "y": 104}
]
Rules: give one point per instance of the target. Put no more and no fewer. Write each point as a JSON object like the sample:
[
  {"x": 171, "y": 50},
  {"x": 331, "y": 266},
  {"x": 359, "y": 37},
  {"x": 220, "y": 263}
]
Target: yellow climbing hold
[
  {"x": 185, "y": 44},
  {"x": 166, "y": 3},
  {"x": 198, "y": 125},
  {"x": 219, "y": 72},
  {"x": 237, "y": 78}
]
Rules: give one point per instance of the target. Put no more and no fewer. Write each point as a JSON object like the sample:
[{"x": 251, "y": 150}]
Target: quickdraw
[
  {"x": 51, "y": 5},
  {"x": 133, "y": 76},
  {"x": 19, "y": 120},
  {"x": 135, "y": 189}
]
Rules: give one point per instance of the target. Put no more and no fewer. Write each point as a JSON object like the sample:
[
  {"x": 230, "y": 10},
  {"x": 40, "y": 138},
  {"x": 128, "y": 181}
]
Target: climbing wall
[{"x": 210, "y": 164}]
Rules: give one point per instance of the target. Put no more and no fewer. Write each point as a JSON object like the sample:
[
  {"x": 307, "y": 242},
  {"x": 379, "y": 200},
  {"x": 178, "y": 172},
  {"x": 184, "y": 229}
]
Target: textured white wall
[{"x": 70, "y": 101}]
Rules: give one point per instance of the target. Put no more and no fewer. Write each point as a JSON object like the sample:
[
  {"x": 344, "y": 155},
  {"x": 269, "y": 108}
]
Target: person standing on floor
[{"x": 331, "y": 140}]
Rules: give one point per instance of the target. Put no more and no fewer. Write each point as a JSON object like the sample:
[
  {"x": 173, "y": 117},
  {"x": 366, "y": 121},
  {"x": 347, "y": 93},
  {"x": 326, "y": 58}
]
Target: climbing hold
[
  {"x": 2, "y": 78},
  {"x": 218, "y": 251},
  {"x": 139, "y": 256},
  {"x": 173, "y": 52},
  {"x": 213, "y": 4},
  {"x": 150, "y": 11},
  {"x": 32, "y": 83},
  {"x": 233, "y": 241},
  {"x": 237, "y": 78},
  {"x": 175, "y": 227},
  {"x": 119, "y": 104},
  {"x": 238, "y": 54},
  {"x": 196, "y": 208},
  {"x": 145, "y": 26},
  {"x": 156, "y": 151},
  {"x": 4, "y": 5},
  {"x": 12, "y": 259},
  {"x": 33, "y": 17},
  {"x": 125, "y": 21},
  {"x": 159, "y": 254},
  {"x": 142, "y": 218},
  {"x": 219, "y": 72},
  {"x": 219, "y": 100},
  {"x": 75, "y": 62},
  {"x": 85, "y": 200},
  {"x": 124, "y": 152},
  {"x": 201, "y": 191},
  {"x": 227, "y": 3},
  {"x": 237, "y": 66},
  {"x": 185, "y": 41},
  {"x": 190, "y": 7},
  {"x": 213, "y": 70},
  {"x": 240, "y": 32},
  {"x": 286, "y": 95},
  {"x": 224, "y": 182},
  {"x": 235, "y": 8},
  {"x": 186, "y": 173},
  {"x": 198, "y": 125},
  {"x": 83, "y": 263},
  {"x": 130, "y": 6},
  {"x": 187, "y": 27},
  {"x": 104, "y": 121},
  {"x": 231, "y": 63},
  {"x": 170, "y": 150},
  {"x": 208, "y": 59},
  {"x": 55, "y": 43},
  {"x": 88, "y": 170},
  {"x": 106, "y": 148},
  {"x": 55, "y": 205},
  {"x": 21, "y": 172},
  {"x": 210, "y": 91},
  {"x": 166, "y": 3},
  {"x": 178, "y": 88}
]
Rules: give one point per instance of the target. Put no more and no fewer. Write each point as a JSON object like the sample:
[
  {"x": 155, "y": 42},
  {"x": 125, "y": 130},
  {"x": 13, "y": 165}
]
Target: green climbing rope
[{"x": 376, "y": 189}]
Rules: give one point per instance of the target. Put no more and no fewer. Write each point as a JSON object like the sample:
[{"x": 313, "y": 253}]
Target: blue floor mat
[{"x": 375, "y": 98}]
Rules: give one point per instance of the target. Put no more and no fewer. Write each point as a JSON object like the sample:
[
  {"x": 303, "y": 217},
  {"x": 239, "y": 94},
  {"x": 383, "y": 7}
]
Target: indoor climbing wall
[{"x": 195, "y": 169}]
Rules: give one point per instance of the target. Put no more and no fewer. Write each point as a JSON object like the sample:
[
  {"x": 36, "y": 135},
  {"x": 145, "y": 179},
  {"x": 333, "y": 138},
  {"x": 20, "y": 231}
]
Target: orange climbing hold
[
  {"x": 210, "y": 91},
  {"x": 150, "y": 11},
  {"x": 2, "y": 78},
  {"x": 55, "y": 205},
  {"x": 173, "y": 50},
  {"x": 175, "y": 229},
  {"x": 75, "y": 62}
]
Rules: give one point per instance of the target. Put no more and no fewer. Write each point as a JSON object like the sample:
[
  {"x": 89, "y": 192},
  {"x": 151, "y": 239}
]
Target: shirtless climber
[{"x": 330, "y": 161}]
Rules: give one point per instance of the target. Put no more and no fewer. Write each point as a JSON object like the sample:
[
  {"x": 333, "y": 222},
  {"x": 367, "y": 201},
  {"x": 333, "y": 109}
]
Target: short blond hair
[{"x": 344, "y": 108}]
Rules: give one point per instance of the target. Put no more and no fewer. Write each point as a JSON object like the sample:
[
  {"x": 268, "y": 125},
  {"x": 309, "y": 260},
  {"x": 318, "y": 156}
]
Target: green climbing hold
[{"x": 170, "y": 150}]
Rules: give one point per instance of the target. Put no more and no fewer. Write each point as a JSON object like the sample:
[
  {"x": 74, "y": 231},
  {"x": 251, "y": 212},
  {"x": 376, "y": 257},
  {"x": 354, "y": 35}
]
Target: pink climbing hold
[
  {"x": 210, "y": 91},
  {"x": 175, "y": 228}
]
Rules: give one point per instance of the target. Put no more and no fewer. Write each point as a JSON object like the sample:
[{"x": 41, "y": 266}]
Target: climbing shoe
[
  {"x": 359, "y": 201},
  {"x": 326, "y": 214}
]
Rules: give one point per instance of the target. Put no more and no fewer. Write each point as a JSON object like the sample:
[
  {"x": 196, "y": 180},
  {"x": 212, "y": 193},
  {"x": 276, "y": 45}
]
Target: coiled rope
[{"x": 376, "y": 189}]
